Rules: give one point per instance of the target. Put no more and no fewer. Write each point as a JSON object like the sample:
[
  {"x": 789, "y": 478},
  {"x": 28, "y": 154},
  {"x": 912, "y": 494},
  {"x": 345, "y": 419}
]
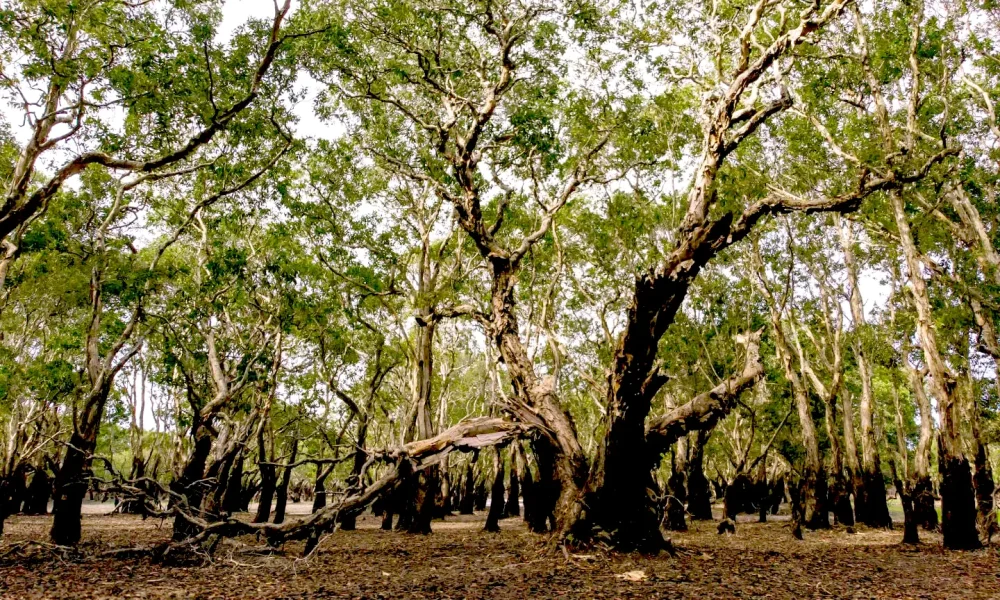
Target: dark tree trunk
[
  {"x": 189, "y": 484},
  {"x": 39, "y": 490},
  {"x": 268, "y": 481},
  {"x": 958, "y": 517},
  {"x": 676, "y": 497},
  {"x": 481, "y": 496},
  {"x": 719, "y": 487},
  {"x": 513, "y": 506},
  {"x": 738, "y": 498},
  {"x": 762, "y": 495},
  {"x": 840, "y": 501},
  {"x": 910, "y": 531},
  {"x": 496, "y": 496},
  {"x": 4, "y": 498},
  {"x": 796, "y": 492},
  {"x": 250, "y": 489},
  {"x": 319, "y": 490},
  {"x": 468, "y": 501},
  {"x": 70, "y": 486},
  {"x": 699, "y": 495},
  {"x": 986, "y": 518},
  {"x": 820, "y": 498},
  {"x": 876, "y": 509},
  {"x": 403, "y": 503},
  {"x": 924, "y": 511},
  {"x": 281, "y": 495},
  {"x": 423, "y": 501},
  {"x": 233, "y": 496},
  {"x": 544, "y": 491},
  {"x": 777, "y": 495},
  {"x": 527, "y": 486},
  {"x": 442, "y": 507}
]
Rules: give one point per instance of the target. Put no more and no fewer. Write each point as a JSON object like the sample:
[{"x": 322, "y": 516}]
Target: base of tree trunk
[
  {"x": 958, "y": 505},
  {"x": 986, "y": 517},
  {"x": 36, "y": 501},
  {"x": 924, "y": 513},
  {"x": 840, "y": 502},
  {"x": 816, "y": 514},
  {"x": 876, "y": 514},
  {"x": 497, "y": 505},
  {"x": 699, "y": 496},
  {"x": 911, "y": 535},
  {"x": 676, "y": 496},
  {"x": 423, "y": 503}
]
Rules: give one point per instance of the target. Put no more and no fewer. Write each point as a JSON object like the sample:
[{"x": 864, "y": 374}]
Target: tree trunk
[
  {"x": 958, "y": 510},
  {"x": 281, "y": 495},
  {"x": 813, "y": 501},
  {"x": 268, "y": 481},
  {"x": 443, "y": 506},
  {"x": 677, "y": 488},
  {"x": 39, "y": 490},
  {"x": 71, "y": 482},
  {"x": 70, "y": 487},
  {"x": 319, "y": 490},
  {"x": 910, "y": 533},
  {"x": 874, "y": 510},
  {"x": 420, "y": 507},
  {"x": 469, "y": 494},
  {"x": 233, "y": 496},
  {"x": 839, "y": 498},
  {"x": 189, "y": 484},
  {"x": 699, "y": 495},
  {"x": 922, "y": 490},
  {"x": 496, "y": 495},
  {"x": 423, "y": 502},
  {"x": 481, "y": 496},
  {"x": 986, "y": 517},
  {"x": 738, "y": 497},
  {"x": 513, "y": 506},
  {"x": 852, "y": 465}
]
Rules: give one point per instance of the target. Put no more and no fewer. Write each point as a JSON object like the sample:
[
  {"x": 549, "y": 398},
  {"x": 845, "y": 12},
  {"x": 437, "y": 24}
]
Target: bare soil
[{"x": 460, "y": 561}]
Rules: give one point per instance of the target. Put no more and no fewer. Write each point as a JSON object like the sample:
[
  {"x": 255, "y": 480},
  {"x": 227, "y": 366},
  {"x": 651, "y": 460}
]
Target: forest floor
[{"x": 460, "y": 561}]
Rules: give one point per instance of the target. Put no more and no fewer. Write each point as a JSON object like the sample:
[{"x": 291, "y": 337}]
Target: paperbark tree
[
  {"x": 813, "y": 488},
  {"x": 873, "y": 510}
]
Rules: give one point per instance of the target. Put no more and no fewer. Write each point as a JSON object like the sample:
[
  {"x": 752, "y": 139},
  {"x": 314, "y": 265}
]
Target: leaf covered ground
[{"x": 460, "y": 561}]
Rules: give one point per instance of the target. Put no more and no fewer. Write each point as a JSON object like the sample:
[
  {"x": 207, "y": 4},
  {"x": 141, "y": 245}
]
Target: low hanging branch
[
  {"x": 473, "y": 434},
  {"x": 706, "y": 409}
]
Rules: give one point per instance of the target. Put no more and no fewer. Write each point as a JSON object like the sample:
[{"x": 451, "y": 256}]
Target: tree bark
[
  {"x": 469, "y": 494},
  {"x": 71, "y": 480},
  {"x": 425, "y": 487},
  {"x": 233, "y": 496},
  {"x": 922, "y": 490},
  {"x": 39, "y": 490},
  {"x": 958, "y": 511},
  {"x": 677, "y": 488},
  {"x": 70, "y": 488},
  {"x": 875, "y": 509},
  {"x": 496, "y": 495},
  {"x": 281, "y": 495},
  {"x": 813, "y": 485},
  {"x": 699, "y": 495},
  {"x": 268, "y": 480},
  {"x": 513, "y": 507},
  {"x": 319, "y": 497}
]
